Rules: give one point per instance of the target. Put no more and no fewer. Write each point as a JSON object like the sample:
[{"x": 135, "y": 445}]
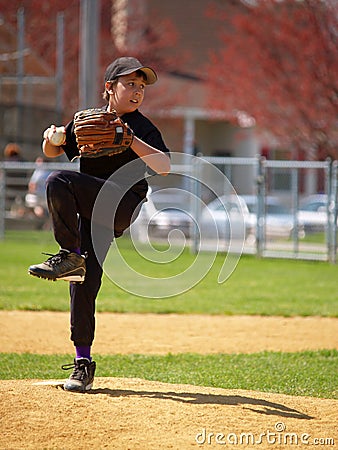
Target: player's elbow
[{"x": 165, "y": 168}]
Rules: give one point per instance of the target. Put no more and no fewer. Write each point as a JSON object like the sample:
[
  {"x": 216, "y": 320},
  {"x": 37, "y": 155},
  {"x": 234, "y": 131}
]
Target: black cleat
[
  {"x": 82, "y": 378},
  {"x": 64, "y": 265}
]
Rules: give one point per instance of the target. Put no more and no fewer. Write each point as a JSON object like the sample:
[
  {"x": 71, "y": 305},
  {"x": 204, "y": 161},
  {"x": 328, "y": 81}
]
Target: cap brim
[{"x": 149, "y": 73}]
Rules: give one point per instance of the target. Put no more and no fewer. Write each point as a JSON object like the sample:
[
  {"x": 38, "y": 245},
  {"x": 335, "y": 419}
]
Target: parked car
[
  {"x": 313, "y": 213},
  {"x": 165, "y": 211},
  {"x": 279, "y": 220},
  {"x": 35, "y": 199},
  {"x": 173, "y": 212},
  {"x": 227, "y": 217}
]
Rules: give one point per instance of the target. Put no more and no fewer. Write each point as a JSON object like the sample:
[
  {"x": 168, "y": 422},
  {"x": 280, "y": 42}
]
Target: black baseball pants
[{"x": 71, "y": 198}]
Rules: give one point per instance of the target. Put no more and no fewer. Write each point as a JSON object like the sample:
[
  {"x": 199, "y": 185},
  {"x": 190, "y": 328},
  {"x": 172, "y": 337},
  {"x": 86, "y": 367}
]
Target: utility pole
[
  {"x": 89, "y": 53},
  {"x": 20, "y": 71},
  {"x": 59, "y": 63}
]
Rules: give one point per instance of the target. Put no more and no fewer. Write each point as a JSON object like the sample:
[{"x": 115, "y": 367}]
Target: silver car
[
  {"x": 279, "y": 222},
  {"x": 313, "y": 213},
  {"x": 227, "y": 217},
  {"x": 163, "y": 213}
]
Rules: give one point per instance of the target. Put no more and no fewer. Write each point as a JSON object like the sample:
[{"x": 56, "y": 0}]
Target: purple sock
[
  {"x": 83, "y": 351},
  {"x": 76, "y": 250}
]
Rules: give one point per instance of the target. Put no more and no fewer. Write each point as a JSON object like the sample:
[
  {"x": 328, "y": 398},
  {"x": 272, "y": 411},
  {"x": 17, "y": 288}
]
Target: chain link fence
[
  {"x": 22, "y": 201},
  {"x": 289, "y": 207}
]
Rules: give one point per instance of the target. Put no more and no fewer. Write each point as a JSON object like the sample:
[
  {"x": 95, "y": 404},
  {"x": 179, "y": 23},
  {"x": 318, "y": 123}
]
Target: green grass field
[
  {"x": 264, "y": 287},
  {"x": 304, "y": 373},
  {"x": 257, "y": 287}
]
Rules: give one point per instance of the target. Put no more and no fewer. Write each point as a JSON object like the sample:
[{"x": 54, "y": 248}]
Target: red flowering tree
[
  {"x": 279, "y": 64},
  {"x": 40, "y": 36}
]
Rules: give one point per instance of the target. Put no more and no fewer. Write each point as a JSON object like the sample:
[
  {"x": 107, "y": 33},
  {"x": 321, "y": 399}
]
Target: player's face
[{"x": 128, "y": 93}]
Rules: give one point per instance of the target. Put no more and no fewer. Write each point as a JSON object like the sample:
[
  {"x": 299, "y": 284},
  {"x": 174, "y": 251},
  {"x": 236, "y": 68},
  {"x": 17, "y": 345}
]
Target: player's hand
[
  {"x": 55, "y": 135},
  {"x": 48, "y": 132}
]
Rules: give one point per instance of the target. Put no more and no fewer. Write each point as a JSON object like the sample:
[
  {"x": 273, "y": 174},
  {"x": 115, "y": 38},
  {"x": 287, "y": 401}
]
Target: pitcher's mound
[{"x": 137, "y": 414}]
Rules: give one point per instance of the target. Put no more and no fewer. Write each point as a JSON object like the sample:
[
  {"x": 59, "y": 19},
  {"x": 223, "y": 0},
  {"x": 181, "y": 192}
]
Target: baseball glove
[{"x": 100, "y": 133}]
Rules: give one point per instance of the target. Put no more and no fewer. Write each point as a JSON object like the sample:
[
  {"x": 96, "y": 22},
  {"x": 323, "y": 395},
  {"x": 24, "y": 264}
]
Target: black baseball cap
[{"x": 125, "y": 66}]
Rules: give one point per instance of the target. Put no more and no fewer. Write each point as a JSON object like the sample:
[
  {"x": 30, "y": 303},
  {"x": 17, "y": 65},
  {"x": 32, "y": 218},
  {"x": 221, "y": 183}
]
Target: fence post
[
  {"x": 2, "y": 202},
  {"x": 295, "y": 208},
  {"x": 260, "y": 225},
  {"x": 196, "y": 205},
  {"x": 332, "y": 212}
]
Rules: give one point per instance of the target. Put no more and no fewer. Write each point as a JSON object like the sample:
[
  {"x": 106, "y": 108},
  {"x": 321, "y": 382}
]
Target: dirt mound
[
  {"x": 137, "y": 414},
  {"x": 142, "y": 415}
]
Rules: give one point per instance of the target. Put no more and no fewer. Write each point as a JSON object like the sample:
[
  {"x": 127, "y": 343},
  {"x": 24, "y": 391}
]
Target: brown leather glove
[{"x": 100, "y": 133}]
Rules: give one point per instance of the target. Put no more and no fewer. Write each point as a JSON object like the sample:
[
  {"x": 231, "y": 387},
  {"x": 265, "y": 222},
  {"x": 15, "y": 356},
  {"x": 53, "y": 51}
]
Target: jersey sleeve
[{"x": 70, "y": 147}]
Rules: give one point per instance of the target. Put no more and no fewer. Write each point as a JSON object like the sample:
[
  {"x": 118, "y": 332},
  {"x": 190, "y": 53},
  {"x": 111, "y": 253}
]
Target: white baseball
[{"x": 58, "y": 137}]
